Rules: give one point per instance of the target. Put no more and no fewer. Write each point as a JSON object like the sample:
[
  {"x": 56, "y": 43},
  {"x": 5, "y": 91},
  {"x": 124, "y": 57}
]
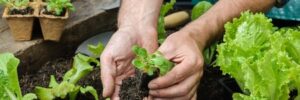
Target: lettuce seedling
[
  {"x": 9, "y": 82},
  {"x": 150, "y": 63},
  {"x": 200, "y": 8},
  {"x": 15, "y": 4},
  {"x": 161, "y": 22},
  {"x": 57, "y": 7},
  {"x": 81, "y": 67},
  {"x": 264, "y": 61}
]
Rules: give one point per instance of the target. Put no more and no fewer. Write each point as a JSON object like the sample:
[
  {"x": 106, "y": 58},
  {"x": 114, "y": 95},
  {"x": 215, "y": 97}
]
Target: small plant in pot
[
  {"x": 19, "y": 15},
  {"x": 53, "y": 16},
  {"x": 149, "y": 66}
]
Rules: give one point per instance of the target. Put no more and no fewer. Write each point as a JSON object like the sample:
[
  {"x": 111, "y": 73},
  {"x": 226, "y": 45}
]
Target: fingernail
[
  {"x": 103, "y": 93},
  {"x": 153, "y": 85}
]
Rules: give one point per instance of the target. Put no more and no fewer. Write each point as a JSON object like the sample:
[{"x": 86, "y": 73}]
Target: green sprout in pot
[
  {"x": 58, "y": 7},
  {"x": 18, "y": 6}
]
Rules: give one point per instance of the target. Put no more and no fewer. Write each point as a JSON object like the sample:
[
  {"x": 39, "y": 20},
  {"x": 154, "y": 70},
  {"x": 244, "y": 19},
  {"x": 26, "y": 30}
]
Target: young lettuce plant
[
  {"x": 161, "y": 22},
  {"x": 9, "y": 82},
  {"x": 15, "y": 4},
  {"x": 81, "y": 67},
  {"x": 151, "y": 63},
  {"x": 57, "y": 7}
]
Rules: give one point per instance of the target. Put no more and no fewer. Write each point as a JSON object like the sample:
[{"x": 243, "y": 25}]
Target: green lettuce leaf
[
  {"x": 199, "y": 9},
  {"x": 161, "y": 22},
  {"x": 263, "y": 60},
  {"x": 9, "y": 77},
  {"x": 9, "y": 81},
  {"x": 81, "y": 67},
  {"x": 91, "y": 90},
  {"x": 149, "y": 63},
  {"x": 96, "y": 50}
]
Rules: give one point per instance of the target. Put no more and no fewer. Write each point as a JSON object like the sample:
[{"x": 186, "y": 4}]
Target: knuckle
[
  {"x": 179, "y": 76},
  {"x": 198, "y": 64}
]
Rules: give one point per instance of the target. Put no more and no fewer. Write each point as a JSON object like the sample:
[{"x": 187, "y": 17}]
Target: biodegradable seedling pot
[
  {"x": 20, "y": 25},
  {"x": 52, "y": 26}
]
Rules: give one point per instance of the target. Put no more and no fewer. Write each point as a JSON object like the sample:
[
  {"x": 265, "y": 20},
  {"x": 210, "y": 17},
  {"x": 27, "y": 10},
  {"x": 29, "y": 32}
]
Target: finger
[
  {"x": 116, "y": 93},
  {"x": 177, "y": 74},
  {"x": 195, "y": 95},
  {"x": 151, "y": 47},
  {"x": 167, "y": 50},
  {"x": 150, "y": 97},
  {"x": 123, "y": 66},
  {"x": 185, "y": 87},
  {"x": 190, "y": 96},
  {"x": 108, "y": 73}
]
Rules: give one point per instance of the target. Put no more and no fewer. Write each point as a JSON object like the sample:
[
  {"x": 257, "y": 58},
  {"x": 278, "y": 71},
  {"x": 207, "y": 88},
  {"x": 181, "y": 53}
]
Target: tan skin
[{"x": 137, "y": 25}]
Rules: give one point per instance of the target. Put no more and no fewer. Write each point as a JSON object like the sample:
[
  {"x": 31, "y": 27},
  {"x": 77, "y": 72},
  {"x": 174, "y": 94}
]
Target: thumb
[{"x": 108, "y": 73}]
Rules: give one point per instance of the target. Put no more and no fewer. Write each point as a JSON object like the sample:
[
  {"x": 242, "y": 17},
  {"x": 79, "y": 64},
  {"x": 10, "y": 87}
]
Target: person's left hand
[{"x": 182, "y": 81}]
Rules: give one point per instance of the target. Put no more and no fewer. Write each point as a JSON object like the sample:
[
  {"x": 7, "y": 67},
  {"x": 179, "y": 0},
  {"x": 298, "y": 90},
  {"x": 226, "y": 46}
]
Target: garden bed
[
  {"x": 28, "y": 81},
  {"x": 212, "y": 87}
]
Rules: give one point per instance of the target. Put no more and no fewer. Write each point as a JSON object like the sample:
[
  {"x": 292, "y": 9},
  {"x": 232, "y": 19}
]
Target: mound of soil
[{"x": 25, "y": 11}]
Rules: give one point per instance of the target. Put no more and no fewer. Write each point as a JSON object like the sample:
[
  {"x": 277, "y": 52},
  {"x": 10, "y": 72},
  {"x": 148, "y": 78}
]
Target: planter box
[
  {"x": 52, "y": 26},
  {"x": 21, "y": 25}
]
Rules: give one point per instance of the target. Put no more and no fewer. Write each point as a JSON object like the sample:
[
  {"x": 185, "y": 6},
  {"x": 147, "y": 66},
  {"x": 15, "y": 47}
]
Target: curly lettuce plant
[
  {"x": 68, "y": 87},
  {"x": 57, "y": 7},
  {"x": 263, "y": 60},
  {"x": 150, "y": 63},
  {"x": 9, "y": 81}
]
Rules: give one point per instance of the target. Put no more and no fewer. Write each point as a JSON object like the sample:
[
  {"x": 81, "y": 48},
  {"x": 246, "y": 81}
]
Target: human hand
[
  {"x": 117, "y": 56},
  {"x": 182, "y": 81}
]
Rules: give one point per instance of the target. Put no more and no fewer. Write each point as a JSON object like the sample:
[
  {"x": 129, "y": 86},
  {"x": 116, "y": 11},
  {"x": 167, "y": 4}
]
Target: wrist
[
  {"x": 138, "y": 30},
  {"x": 198, "y": 34}
]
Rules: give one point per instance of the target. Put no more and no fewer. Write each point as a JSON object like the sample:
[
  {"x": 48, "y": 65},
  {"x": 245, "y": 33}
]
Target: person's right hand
[{"x": 117, "y": 56}]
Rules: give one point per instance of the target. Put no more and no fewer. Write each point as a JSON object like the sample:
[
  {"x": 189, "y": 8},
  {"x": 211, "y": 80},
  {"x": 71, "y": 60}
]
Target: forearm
[
  {"x": 211, "y": 25},
  {"x": 139, "y": 13}
]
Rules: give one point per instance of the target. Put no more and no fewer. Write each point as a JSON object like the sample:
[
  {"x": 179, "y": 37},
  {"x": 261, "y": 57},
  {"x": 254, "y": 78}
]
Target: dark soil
[
  {"x": 26, "y": 11},
  {"x": 136, "y": 88},
  {"x": 215, "y": 86},
  {"x": 58, "y": 67},
  {"x": 46, "y": 12}
]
